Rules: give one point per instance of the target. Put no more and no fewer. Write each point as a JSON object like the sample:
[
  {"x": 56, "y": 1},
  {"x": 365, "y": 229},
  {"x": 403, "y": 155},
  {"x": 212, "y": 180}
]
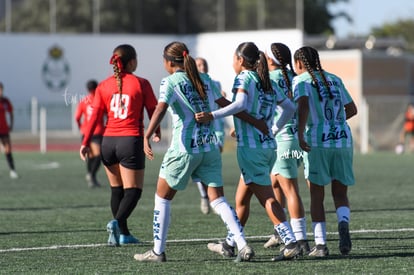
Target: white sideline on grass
[{"x": 361, "y": 231}]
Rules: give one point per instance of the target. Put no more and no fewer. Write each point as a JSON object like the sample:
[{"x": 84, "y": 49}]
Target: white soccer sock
[
  {"x": 285, "y": 232},
  {"x": 299, "y": 228},
  {"x": 200, "y": 186},
  {"x": 161, "y": 223},
  {"x": 343, "y": 213},
  {"x": 229, "y": 217},
  {"x": 319, "y": 231}
]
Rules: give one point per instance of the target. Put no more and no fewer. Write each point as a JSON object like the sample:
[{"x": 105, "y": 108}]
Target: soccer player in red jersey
[
  {"x": 82, "y": 116},
  {"x": 5, "y": 129},
  {"x": 123, "y": 97},
  {"x": 407, "y": 132}
]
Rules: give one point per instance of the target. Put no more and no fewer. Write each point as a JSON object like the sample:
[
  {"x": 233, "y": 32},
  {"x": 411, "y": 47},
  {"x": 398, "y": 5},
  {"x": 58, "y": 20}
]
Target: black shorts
[
  {"x": 127, "y": 151},
  {"x": 94, "y": 139}
]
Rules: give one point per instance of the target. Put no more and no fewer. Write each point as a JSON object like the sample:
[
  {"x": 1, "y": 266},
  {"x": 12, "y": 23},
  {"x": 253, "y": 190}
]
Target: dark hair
[
  {"x": 254, "y": 59},
  {"x": 119, "y": 60},
  {"x": 284, "y": 56},
  {"x": 310, "y": 58},
  {"x": 204, "y": 61},
  {"x": 1, "y": 85},
  {"x": 177, "y": 52},
  {"x": 91, "y": 85}
]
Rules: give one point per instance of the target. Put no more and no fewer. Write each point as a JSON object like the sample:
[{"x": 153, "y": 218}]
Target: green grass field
[{"x": 51, "y": 223}]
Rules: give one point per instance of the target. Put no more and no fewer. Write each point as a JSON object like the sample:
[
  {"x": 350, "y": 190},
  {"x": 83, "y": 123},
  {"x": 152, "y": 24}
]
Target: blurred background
[{"x": 51, "y": 48}]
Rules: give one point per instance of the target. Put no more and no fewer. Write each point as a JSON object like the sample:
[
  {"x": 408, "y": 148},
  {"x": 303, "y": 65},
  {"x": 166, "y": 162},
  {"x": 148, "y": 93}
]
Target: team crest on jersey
[{"x": 56, "y": 70}]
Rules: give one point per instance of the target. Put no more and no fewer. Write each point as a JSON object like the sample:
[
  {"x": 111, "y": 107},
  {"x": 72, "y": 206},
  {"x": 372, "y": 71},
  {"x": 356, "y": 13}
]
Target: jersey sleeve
[
  {"x": 166, "y": 94},
  {"x": 280, "y": 94},
  {"x": 215, "y": 91},
  {"x": 299, "y": 88},
  {"x": 78, "y": 113},
  {"x": 97, "y": 114},
  {"x": 240, "y": 82},
  {"x": 345, "y": 96},
  {"x": 9, "y": 106},
  {"x": 150, "y": 101}
]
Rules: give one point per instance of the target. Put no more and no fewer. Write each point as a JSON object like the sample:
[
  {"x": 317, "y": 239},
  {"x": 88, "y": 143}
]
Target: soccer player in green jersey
[{"x": 324, "y": 106}]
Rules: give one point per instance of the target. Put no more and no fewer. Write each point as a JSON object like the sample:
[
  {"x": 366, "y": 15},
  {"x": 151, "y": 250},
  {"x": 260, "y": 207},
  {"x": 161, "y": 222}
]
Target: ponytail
[
  {"x": 178, "y": 53},
  {"x": 253, "y": 59},
  {"x": 263, "y": 72}
]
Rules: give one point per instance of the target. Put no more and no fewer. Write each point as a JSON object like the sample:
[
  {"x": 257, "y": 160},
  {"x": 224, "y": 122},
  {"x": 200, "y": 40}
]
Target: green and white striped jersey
[
  {"x": 289, "y": 131},
  {"x": 260, "y": 105},
  {"x": 184, "y": 101},
  {"x": 326, "y": 125}
]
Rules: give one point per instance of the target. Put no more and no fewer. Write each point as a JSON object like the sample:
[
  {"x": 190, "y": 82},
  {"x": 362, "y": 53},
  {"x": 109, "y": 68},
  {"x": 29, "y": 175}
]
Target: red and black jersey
[
  {"x": 409, "y": 120},
  {"x": 125, "y": 112},
  {"x": 84, "y": 113},
  {"x": 5, "y": 107}
]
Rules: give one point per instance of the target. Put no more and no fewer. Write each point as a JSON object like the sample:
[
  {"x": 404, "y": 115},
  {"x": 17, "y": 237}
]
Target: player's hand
[
  {"x": 147, "y": 149},
  {"x": 305, "y": 147},
  {"x": 262, "y": 126},
  {"x": 84, "y": 152},
  {"x": 233, "y": 133},
  {"x": 156, "y": 137},
  {"x": 203, "y": 117}
]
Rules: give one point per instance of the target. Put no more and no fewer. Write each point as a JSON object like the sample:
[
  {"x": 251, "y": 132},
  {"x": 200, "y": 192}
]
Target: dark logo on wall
[{"x": 55, "y": 70}]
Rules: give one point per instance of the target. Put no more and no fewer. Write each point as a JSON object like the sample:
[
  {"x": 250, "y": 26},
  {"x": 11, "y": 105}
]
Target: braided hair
[
  {"x": 310, "y": 58},
  {"x": 284, "y": 56},
  {"x": 177, "y": 52},
  {"x": 119, "y": 60}
]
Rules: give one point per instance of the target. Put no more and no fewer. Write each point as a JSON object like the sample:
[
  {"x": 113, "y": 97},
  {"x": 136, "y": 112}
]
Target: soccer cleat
[
  {"x": 399, "y": 149},
  {"x": 95, "y": 183},
  {"x": 221, "y": 248},
  {"x": 303, "y": 247},
  {"x": 114, "y": 233},
  {"x": 128, "y": 239},
  {"x": 91, "y": 185},
  {"x": 319, "y": 251},
  {"x": 205, "y": 206},
  {"x": 92, "y": 181},
  {"x": 274, "y": 241},
  {"x": 245, "y": 254},
  {"x": 345, "y": 244},
  {"x": 289, "y": 252},
  {"x": 150, "y": 256},
  {"x": 88, "y": 179},
  {"x": 13, "y": 174}
]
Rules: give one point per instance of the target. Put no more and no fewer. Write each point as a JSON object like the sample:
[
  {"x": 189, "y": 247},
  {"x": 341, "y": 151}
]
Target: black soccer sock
[
  {"x": 10, "y": 161},
  {"x": 127, "y": 205},
  {"x": 88, "y": 165},
  {"x": 95, "y": 163},
  {"x": 117, "y": 193}
]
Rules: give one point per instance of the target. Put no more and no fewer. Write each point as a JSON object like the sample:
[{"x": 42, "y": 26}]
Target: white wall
[
  {"x": 23, "y": 57},
  {"x": 218, "y": 49}
]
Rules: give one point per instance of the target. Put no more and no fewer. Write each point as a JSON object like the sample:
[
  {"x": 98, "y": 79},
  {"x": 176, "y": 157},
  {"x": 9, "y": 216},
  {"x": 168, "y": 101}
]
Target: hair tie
[
  {"x": 270, "y": 54},
  {"x": 116, "y": 60},
  {"x": 185, "y": 53}
]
